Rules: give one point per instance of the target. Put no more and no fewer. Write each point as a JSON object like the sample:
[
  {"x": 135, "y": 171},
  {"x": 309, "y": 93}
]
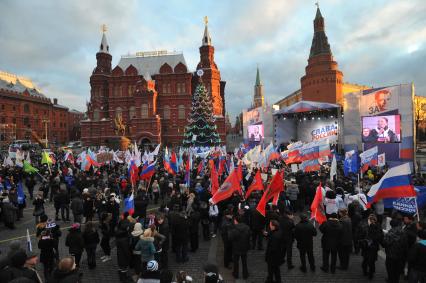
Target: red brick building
[
  {"x": 74, "y": 127},
  {"x": 323, "y": 81},
  {"x": 26, "y": 113},
  {"x": 151, "y": 92}
]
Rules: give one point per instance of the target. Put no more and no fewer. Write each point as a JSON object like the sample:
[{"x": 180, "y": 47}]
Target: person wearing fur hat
[
  {"x": 136, "y": 254},
  {"x": 146, "y": 246},
  {"x": 151, "y": 274},
  {"x": 16, "y": 269}
]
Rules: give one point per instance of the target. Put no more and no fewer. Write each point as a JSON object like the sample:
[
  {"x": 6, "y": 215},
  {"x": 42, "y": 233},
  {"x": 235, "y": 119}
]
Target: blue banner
[{"x": 408, "y": 205}]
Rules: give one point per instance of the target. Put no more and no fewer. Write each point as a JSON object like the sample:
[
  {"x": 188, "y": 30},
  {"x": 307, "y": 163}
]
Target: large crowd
[{"x": 169, "y": 218}]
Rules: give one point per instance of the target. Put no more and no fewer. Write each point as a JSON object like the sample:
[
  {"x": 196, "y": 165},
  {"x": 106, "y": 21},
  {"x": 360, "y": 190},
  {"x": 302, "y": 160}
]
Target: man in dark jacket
[
  {"x": 417, "y": 256},
  {"x": 227, "y": 224},
  {"x": 163, "y": 229},
  {"x": 304, "y": 233},
  {"x": 66, "y": 272},
  {"x": 331, "y": 235},
  {"x": 239, "y": 235},
  {"x": 345, "y": 245},
  {"x": 75, "y": 242},
  {"x": 62, "y": 200},
  {"x": 77, "y": 208},
  {"x": 287, "y": 229},
  {"x": 257, "y": 227},
  {"x": 180, "y": 231},
  {"x": 396, "y": 245},
  {"x": 274, "y": 251},
  {"x": 16, "y": 269}
]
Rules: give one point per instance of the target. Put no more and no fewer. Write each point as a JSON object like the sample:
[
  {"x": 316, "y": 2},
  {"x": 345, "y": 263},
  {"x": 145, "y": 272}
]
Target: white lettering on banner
[{"x": 324, "y": 132}]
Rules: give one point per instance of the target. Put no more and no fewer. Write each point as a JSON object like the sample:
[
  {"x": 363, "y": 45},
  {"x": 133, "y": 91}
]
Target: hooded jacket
[{"x": 146, "y": 246}]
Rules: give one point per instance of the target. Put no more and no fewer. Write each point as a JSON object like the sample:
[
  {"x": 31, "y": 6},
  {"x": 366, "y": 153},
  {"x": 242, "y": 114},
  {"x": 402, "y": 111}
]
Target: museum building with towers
[{"x": 150, "y": 94}]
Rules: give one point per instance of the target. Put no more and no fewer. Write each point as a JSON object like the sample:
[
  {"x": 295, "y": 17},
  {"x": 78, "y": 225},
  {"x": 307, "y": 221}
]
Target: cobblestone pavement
[{"x": 209, "y": 251}]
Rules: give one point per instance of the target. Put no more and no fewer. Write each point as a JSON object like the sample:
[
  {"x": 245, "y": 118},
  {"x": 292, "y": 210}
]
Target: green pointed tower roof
[{"x": 258, "y": 77}]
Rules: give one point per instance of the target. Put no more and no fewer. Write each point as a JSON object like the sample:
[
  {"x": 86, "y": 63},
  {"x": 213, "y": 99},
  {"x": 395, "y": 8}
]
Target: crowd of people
[{"x": 169, "y": 218}]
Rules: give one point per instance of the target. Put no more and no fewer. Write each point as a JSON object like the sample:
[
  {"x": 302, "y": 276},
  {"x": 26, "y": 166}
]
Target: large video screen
[
  {"x": 381, "y": 129},
  {"x": 255, "y": 132}
]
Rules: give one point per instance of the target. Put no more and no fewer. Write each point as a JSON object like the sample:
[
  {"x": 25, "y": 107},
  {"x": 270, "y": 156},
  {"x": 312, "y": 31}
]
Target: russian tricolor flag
[
  {"x": 133, "y": 171},
  {"x": 147, "y": 171},
  {"x": 369, "y": 158},
  {"x": 129, "y": 204},
  {"x": 396, "y": 183},
  {"x": 170, "y": 164}
]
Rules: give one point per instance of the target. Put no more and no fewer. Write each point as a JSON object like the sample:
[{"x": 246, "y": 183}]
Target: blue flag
[
  {"x": 408, "y": 205},
  {"x": 21, "y": 194},
  {"x": 350, "y": 164}
]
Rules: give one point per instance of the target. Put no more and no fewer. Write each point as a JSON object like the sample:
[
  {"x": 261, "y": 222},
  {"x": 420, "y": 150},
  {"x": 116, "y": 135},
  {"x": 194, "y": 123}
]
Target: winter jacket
[
  {"x": 9, "y": 212},
  {"x": 146, "y": 247},
  {"x": 77, "y": 206},
  {"x": 417, "y": 256},
  {"x": 346, "y": 239},
  {"x": 370, "y": 237},
  {"x": 395, "y": 243},
  {"x": 304, "y": 233},
  {"x": 46, "y": 249},
  {"x": 331, "y": 234},
  {"x": 91, "y": 239},
  {"x": 292, "y": 191},
  {"x": 164, "y": 230},
  {"x": 258, "y": 220},
  {"x": 62, "y": 199},
  {"x": 287, "y": 228},
  {"x": 275, "y": 248},
  {"x": 12, "y": 272},
  {"x": 74, "y": 241},
  {"x": 72, "y": 276},
  {"x": 239, "y": 234},
  {"x": 180, "y": 229},
  {"x": 150, "y": 277},
  {"x": 141, "y": 203}
]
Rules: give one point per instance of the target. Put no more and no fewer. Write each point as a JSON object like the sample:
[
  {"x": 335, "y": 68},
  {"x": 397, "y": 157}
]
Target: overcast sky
[{"x": 376, "y": 43}]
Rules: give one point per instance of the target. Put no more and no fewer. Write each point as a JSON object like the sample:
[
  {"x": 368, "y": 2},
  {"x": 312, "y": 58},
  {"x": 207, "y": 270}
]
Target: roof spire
[
  {"x": 104, "y": 47},
  {"x": 258, "y": 82},
  {"x": 206, "y": 37},
  {"x": 320, "y": 43},
  {"x": 318, "y": 15}
]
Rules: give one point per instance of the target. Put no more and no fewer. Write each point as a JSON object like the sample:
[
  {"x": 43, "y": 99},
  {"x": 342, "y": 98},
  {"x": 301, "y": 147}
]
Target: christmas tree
[{"x": 201, "y": 130}]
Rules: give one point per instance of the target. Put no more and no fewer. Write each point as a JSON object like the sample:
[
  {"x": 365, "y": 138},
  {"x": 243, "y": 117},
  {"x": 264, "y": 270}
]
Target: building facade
[
  {"x": 147, "y": 96},
  {"x": 323, "y": 81},
  {"x": 26, "y": 113}
]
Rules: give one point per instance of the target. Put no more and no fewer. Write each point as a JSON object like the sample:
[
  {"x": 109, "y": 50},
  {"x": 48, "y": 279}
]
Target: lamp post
[{"x": 45, "y": 122}]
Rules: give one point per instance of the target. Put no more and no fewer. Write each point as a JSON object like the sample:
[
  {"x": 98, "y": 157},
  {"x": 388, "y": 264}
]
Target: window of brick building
[
  {"x": 96, "y": 114},
  {"x": 118, "y": 112},
  {"x": 181, "y": 112},
  {"x": 116, "y": 91},
  {"x": 144, "y": 111},
  {"x": 132, "y": 112},
  {"x": 2, "y": 107},
  {"x": 27, "y": 121},
  {"x": 3, "y": 119},
  {"x": 166, "y": 112},
  {"x": 14, "y": 108}
]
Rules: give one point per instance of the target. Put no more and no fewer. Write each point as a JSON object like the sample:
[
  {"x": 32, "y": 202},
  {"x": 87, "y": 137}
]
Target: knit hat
[
  {"x": 152, "y": 265},
  {"x": 75, "y": 226},
  {"x": 137, "y": 230},
  {"x": 18, "y": 259}
]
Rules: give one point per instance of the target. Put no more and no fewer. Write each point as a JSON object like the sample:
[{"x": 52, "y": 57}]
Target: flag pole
[{"x": 417, "y": 208}]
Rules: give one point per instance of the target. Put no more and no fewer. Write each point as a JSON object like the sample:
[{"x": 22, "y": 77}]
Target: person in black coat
[
  {"x": 274, "y": 251},
  {"x": 46, "y": 244},
  {"x": 304, "y": 233},
  {"x": 163, "y": 229},
  {"x": 62, "y": 201},
  {"x": 75, "y": 243},
  {"x": 239, "y": 234},
  {"x": 66, "y": 272},
  {"x": 227, "y": 224},
  {"x": 106, "y": 236},
  {"x": 258, "y": 223},
  {"x": 417, "y": 256},
  {"x": 331, "y": 235},
  {"x": 371, "y": 236},
  {"x": 77, "y": 208},
  {"x": 16, "y": 269},
  {"x": 91, "y": 240},
  {"x": 194, "y": 219},
  {"x": 123, "y": 247},
  {"x": 287, "y": 229},
  {"x": 180, "y": 231},
  {"x": 141, "y": 203},
  {"x": 345, "y": 246}
]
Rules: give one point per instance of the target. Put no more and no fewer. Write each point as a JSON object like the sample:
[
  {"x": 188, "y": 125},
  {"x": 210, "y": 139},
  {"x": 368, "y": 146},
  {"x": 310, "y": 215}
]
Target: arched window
[
  {"x": 132, "y": 112},
  {"x": 96, "y": 114},
  {"x": 116, "y": 92},
  {"x": 122, "y": 93},
  {"x": 144, "y": 111},
  {"x": 181, "y": 112},
  {"x": 166, "y": 112},
  {"x": 118, "y": 112},
  {"x": 26, "y": 108}
]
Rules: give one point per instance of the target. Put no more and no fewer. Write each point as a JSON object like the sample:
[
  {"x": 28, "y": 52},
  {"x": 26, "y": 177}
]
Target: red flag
[
  {"x": 256, "y": 185},
  {"x": 228, "y": 187},
  {"x": 316, "y": 211},
  {"x": 200, "y": 167},
  {"x": 214, "y": 178},
  {"x": 275, "y": 187},
  {"x": 240, "y": 172}
]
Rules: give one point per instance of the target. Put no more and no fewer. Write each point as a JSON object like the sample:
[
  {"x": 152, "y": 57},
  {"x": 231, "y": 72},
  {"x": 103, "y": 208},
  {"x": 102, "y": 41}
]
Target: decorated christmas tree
[{"x": 201, "y": 130}]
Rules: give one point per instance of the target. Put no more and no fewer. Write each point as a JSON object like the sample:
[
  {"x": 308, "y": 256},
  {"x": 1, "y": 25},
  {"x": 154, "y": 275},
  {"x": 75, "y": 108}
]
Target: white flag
[
  {"x": 29, "y": 245},
  {"x": 333, "y": 168}
]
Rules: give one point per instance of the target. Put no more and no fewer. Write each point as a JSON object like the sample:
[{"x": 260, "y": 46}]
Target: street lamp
[{"x": 45, "y": 122}]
